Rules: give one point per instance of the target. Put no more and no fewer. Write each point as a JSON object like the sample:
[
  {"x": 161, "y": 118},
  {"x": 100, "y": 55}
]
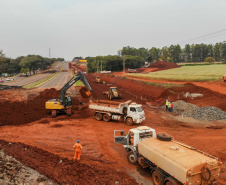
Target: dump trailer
[
  {"x": 171, "y": 162},
  {"x": 121, "y": 111}
]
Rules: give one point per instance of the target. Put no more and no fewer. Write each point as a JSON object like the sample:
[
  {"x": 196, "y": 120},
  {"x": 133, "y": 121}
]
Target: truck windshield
[
  {"x": 139, "y": 109},
  {"x": 115, "y": 89}
]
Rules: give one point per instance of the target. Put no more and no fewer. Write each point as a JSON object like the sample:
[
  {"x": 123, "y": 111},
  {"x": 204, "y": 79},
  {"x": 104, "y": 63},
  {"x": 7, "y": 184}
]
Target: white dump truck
[
  {"x": 171, "y": 162},
  {"x": 121, "y": 111}
]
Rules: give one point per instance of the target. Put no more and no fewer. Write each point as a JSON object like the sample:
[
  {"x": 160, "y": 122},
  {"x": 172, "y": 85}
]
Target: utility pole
[
  {"x": 101, "y": 66},
  {"x": 49, "y": 53},
  {"x": 124, "y": 64}
]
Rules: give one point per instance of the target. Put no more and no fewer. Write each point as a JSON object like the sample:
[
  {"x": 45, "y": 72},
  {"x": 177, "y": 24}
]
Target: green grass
[
  {"x": 40, "y": 82},
  {"x": 79, "y": 83},
  {"x": 198, "y": 73}
]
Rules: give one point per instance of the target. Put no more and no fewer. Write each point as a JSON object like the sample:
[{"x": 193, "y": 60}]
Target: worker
[
  {"x": 77, "y": 148},
  {"x": 171, "y": 107},
  {"x": 167, "y": 105}
]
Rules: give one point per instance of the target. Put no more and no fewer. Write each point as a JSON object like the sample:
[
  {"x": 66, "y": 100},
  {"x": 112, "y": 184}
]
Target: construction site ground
[{"x": 29, "y": 134}]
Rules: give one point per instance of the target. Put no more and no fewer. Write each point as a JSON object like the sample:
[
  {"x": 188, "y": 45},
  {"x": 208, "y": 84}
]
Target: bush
[{"x": 210, "y": 59}]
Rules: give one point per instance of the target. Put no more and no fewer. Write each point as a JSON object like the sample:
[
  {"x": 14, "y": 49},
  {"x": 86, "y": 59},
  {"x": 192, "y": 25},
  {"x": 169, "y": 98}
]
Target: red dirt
[
  {"x": 21, "y": 112},
  {"x": 99, "y": 154},
  {"x": 162, "y": 65},
  {"x": 73, "y": 172}
]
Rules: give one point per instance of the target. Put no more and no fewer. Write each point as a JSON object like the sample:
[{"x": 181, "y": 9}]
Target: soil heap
[
  {"x": 164, "y": 65},
  {"x": 18, "y": 113}
]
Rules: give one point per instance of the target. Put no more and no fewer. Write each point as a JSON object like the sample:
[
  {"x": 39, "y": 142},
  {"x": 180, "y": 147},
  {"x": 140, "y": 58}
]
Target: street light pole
[{"x": 124, "y": 65}]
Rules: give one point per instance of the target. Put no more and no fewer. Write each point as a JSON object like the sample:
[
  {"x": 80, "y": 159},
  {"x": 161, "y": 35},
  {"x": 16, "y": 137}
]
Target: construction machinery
[
  {"x": 128, "y": 111},
  {"x": 171, "y": 162},
  {"x": 224, "y": 78},
  {"x": 64, "y": 104},
  {"x": 112, "y": 93},
  {"x": 97, "y": 80}
]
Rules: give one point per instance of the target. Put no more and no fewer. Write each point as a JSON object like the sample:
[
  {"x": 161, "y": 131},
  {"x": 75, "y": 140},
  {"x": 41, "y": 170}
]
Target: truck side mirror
[{"x": 122, "y": 133}]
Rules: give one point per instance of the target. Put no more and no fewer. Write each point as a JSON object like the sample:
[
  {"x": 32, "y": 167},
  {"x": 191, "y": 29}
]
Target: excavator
[{"x": 64, "y": 104}]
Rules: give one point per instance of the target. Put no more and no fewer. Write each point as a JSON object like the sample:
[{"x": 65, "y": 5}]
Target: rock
[{"x": 41, "y": 179}]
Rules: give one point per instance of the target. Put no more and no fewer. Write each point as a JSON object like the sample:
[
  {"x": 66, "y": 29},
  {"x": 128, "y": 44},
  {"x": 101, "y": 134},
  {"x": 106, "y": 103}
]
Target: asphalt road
[{"x": 59, "y": 81}]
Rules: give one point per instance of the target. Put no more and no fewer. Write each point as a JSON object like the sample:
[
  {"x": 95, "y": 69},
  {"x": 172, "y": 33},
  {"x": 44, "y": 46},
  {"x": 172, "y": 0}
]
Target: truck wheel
[
  {"x": 69, "y": 112},
  {"x": 106, "y": 117},
  {"x": 129, "y": 121},
  {"x": 158, "y": 179},
  {"x": 54, "y": 113},
  {"x": 164, "y": 137},
  {"x": 131, "y": 158},
  {"x": 99, "y": 116}
]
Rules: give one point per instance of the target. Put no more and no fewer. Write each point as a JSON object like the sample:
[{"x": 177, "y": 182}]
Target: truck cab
[
  {"x": 135, "y": 135},
  {"x": 136, "y": 113}
]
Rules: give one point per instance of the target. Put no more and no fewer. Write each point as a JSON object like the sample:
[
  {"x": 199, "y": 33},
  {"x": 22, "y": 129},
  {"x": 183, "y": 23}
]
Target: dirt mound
[
  {"x": 17, "y": 113},
  {"x": 64, "y": 171},
  {"x": 164, "y": 65}
]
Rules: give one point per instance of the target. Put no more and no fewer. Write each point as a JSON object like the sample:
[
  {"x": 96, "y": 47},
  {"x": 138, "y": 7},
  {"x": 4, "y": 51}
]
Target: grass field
[{"x": 198, "y": 73}]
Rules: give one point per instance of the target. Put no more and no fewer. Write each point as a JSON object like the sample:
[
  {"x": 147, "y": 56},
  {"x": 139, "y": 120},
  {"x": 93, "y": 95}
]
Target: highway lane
[
  {"x": 27, "y": 80},
  {"x": 59, "y": 81}
]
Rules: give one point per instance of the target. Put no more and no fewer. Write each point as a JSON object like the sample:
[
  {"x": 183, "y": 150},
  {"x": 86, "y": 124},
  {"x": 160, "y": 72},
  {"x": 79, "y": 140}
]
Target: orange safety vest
[{"x": 77, "y": 147}]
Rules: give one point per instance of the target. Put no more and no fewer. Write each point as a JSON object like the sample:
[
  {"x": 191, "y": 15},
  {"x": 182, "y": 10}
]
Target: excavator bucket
[{"x": 85, "y": 93}]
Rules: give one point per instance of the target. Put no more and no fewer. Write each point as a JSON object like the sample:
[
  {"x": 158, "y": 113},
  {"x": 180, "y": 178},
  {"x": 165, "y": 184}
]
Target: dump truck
[
  {"x": 112, "y": 93},
  {"x": 121, "y": 111},
  {"x": 171, "y": 162}
]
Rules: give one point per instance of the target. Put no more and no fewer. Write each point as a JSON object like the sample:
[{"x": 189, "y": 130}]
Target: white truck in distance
[
  {"x": 171, "y": 162},
  {"x": 121, "y": 111}
]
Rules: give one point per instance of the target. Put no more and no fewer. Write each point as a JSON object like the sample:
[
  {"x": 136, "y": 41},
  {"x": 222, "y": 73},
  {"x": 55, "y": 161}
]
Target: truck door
[{"x": 120, "y": 137}]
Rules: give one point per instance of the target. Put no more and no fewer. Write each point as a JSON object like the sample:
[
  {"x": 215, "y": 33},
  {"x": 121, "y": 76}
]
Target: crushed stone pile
[
  {"x": 13, "y": 172},
  {"x": 209, "y": 113}
]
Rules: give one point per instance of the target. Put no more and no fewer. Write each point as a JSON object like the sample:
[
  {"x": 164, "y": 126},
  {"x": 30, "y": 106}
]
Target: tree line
[
  {"x": 174, "y": 53},
  {"x": 24, "y": 64},
  {"x": 113, "y": 63}
]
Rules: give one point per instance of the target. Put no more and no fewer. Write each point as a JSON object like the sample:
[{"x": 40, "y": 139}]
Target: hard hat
[{"x": 78, "y": 141}]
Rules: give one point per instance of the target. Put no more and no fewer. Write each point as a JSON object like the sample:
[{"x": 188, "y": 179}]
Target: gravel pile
[
  {"x": 203, "y": 114},
  {"x": 4, "y": 87},
  {"x": 13, "y": 172}
]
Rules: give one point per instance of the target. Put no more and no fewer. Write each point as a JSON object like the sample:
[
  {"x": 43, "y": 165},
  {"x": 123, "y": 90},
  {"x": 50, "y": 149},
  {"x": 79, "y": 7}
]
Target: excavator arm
[{"x": 74, "y": 79}]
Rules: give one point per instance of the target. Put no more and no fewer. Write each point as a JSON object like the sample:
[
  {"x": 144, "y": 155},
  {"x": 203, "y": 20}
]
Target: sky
[{"x": 84, "y": 28}]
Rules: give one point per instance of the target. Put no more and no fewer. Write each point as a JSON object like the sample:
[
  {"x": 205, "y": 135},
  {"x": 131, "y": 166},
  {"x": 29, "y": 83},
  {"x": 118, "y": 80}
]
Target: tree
[{"x": 210, "y": 59}]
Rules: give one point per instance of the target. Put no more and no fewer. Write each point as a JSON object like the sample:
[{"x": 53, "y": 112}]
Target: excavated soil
[
  {"x": 163, "y": 65},
  {"x": 62, "y": 170},
  {"x": 22, "y": 112},
  {"x": 49, "y": 142}
]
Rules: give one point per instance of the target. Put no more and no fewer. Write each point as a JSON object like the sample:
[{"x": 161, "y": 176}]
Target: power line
[{"x": 203, "y": 37}]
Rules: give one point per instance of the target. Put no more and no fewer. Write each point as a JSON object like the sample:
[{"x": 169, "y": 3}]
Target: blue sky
[{"x": 101, "y": 27}]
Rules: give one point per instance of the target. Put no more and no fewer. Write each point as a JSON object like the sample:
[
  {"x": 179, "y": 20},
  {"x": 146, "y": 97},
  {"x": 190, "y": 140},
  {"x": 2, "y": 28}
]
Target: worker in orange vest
[{"x": 77, "y": 148}]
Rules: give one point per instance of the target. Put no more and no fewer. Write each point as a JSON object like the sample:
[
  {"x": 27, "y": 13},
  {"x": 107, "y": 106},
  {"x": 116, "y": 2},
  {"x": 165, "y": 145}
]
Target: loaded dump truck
[
  {"x": 171, "y": 162},
  {"x": 121, "y": 111}
]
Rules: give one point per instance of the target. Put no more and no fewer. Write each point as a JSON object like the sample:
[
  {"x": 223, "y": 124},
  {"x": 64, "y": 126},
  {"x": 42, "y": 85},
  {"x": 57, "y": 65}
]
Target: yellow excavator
[{"x": 64, "y": 104}]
